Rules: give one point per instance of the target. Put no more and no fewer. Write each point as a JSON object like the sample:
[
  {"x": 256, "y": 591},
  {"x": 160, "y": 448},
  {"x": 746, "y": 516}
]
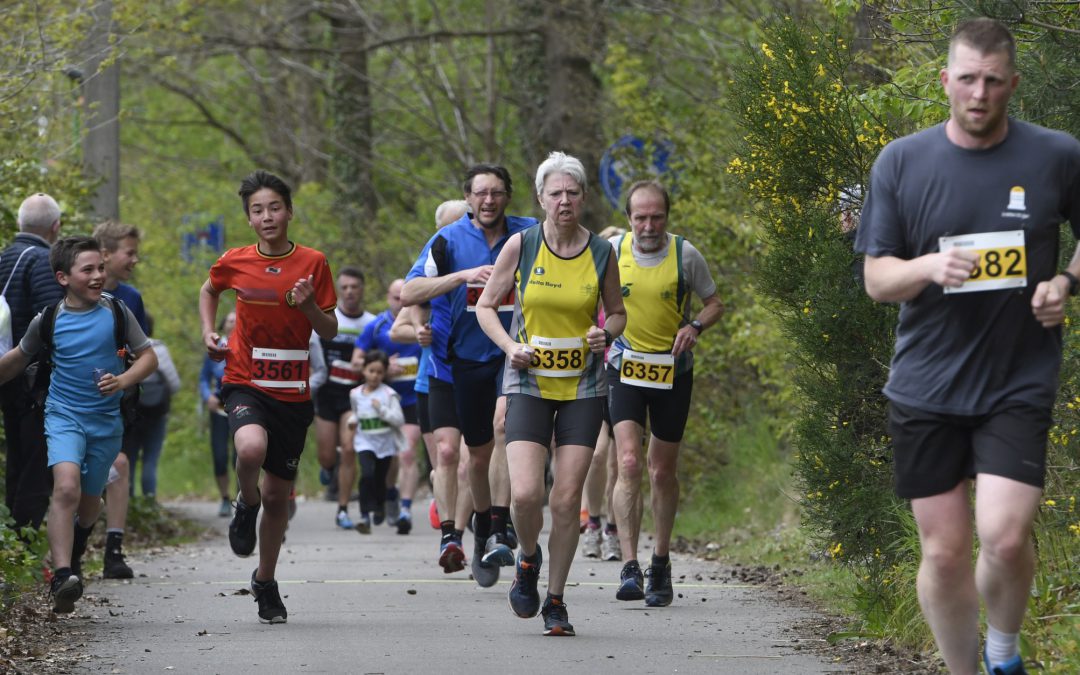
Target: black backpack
[{"x": 39, "y": 373}]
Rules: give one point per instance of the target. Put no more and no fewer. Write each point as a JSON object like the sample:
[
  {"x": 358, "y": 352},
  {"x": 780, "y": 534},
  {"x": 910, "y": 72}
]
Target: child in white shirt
[{"x": 377, "y": 418}]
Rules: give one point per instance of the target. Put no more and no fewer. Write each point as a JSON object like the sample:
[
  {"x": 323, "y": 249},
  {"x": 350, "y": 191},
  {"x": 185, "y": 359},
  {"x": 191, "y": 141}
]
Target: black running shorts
[
  {"x": 934, "y": 452},
  {"x": 666, "y": 409},
  {"x": 422, "y": 413},
  {"x": 533, "y": 419},
  {"x": 286, "y": 425},
  {"x": 442, "y": 409},
  {"x": 477, "y": 387},
  {"x": 332, "y": 401}
]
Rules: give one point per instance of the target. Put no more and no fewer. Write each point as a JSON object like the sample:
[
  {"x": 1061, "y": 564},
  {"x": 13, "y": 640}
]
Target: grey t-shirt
[{"x": 964, "y": 353}]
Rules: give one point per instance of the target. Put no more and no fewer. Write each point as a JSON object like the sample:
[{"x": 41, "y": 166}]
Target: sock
[
  {"x": 533, "y": 559},
  {"x": 62, "y": 572},
  {"x": 483, "y": 525},
  {"x": 406, "y": 504},
  {"x": 391, "y": 494},
  {"x": 660, "y": 560},
  {"x": 82, "y": 536},
  {"x": 554, "y": 599},
  {"x": 114, "y": 541},
  {"x": 343, "y": 509},
  {"x": 458, "y": 534},
  {"x": 611, "y": 528},
  {"x": 447, "y": 527},
  {"x": 500, "y": 516},
  {"x": 594, "y": 522},
  {"x": 1000, "y": 647}
]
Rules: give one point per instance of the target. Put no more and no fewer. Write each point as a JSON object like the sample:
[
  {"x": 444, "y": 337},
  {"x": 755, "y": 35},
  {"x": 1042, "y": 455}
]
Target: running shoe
[
  {"x": 1014, "y": 666},
  {"x": 242, "y": 535},
  {"x": 115, "y": 565},
  {"x": 65, "y": 591},
  {"x": 325, "y": 475},
  {"x": 363, "y": 526},
  {"x": 658, "y": 591},
  {"x": 484, "y": 573},
  {"x": 523, "y": 596},
  {"x": 271, "y": 608},
  {"x": 590, "y": 541},
  {"x": 225, "y": 509},
  {"x": 556, "y": 621},
  {"x": 451, "y": 556},
  {"x": 378, "y": 517},
  {"x": 609, "y": 545},
  {"x": 404, "y": 523},
  {"x": 630, "y": 582},
  {"x": 343, "y": 520},
  {"x": 496, "y": 552},
  {"x": 433, "y": 514}
]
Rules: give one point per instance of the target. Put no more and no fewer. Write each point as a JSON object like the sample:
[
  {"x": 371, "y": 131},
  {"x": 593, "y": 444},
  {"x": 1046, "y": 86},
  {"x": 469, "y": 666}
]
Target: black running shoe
[
  {"x": 271, "y": 608},
  {"x": 65, "y": 591},
  {"x": 630, "y": 582},
  {"x": 510, "y": 538},
  {"x": 556, "y": 621},
  {"x": 404, "y": 524},
  {"x": 523, "y": 596},
  {"x": 658, "y": 591},
  {"x": 115, "y": 566},
  {"x": 242, "y": 535}
]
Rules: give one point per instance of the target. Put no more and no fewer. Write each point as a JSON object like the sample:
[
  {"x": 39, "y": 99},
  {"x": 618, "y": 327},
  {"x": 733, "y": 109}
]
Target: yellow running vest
[{"x": 556, "y": 304}]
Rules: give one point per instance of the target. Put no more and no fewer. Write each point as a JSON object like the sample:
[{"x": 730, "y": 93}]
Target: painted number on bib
[
  {"x": 279, "y": 368},
  {"x": 655, "y": 371},
  {"x": 1002, "y": 260},
  {"x": 474, "y": 291},
  {"x": 557, "y": 357}
]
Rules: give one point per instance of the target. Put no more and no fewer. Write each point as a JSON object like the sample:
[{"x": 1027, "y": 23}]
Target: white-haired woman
[{"x": 554, "y": 377}]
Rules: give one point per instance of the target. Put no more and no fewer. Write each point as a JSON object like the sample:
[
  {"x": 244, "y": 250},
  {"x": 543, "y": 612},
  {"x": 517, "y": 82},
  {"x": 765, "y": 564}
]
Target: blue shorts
[{"x": 91, "y": 442}]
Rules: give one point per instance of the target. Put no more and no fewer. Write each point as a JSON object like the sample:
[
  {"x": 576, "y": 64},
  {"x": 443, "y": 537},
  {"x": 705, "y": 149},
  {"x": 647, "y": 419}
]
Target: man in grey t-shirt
[{"x": 961, "y": 227}]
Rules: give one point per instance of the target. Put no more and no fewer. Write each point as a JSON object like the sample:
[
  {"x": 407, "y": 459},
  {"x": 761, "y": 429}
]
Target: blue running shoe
[
  {"x": 343, "y": 520},
  {"x": 658, "y": 591},
  {"x": 496, "y": 552},
  {"x": 556, "y": 620},
  {"x": 1014, "y": 666},
  {"x": 630, "y": 582},
  {"x": 325, "y": 476},
  {"x": 523, "y": 596}
]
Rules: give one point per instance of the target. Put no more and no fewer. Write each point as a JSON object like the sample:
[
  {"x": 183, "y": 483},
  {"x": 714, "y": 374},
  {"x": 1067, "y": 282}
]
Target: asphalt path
[{"x": 380, "y": 603}]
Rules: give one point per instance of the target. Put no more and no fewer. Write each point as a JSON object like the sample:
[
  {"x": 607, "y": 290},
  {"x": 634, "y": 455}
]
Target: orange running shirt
[{"x": 268, "y": 347}]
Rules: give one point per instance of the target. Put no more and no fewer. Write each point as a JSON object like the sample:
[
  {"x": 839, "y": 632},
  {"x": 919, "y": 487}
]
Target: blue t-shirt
[
  {"x": 82, "y": 341},
  {"x": 133, "y": 299},
  {"x": 456, "y": 333},
  {"x": 376, "y": 335}
]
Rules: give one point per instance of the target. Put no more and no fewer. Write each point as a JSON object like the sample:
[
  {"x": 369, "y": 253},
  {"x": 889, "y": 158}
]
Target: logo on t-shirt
[
  {"x": 1016, "y": 199},
  {"x": 272, "y": 270}
]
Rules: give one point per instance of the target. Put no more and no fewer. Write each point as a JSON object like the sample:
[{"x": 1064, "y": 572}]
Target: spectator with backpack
[
  {"x": 83, "y": 424},
  {"x": 29, "y": 287},
  {"x": 147, "y": 436}
]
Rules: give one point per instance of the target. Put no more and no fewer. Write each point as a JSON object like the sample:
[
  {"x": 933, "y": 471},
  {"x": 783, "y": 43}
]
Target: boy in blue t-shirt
[{"x": 83, "y": 426}]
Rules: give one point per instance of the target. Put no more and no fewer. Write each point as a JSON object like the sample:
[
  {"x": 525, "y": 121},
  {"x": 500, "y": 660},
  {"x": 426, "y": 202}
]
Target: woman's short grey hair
[{"x": 560, "y": 162}]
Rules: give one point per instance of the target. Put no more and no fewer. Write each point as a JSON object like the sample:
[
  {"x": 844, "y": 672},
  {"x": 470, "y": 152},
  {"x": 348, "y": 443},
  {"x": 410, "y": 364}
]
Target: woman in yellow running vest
[{"x": 554, "y": 377}]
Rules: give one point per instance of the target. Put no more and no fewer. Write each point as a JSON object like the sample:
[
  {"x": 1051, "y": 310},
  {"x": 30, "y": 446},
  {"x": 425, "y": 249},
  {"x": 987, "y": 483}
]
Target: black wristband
[
  {"x": 608, "y": 337},
  {"x": 1074, "y": 283}
]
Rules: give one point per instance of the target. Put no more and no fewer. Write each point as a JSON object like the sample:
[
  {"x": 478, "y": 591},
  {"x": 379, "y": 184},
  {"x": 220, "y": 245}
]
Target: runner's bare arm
[
  {"x": 1048, "y": 302},
  {"x": 208, "y": 304},
  {"x": 687, "y": 337},
  {"x": 892, "y": 279},
  {"x": 614, "y": 311},
  {"x": 303, "y": 298},
  {"x": 423, "y": 289},
  {"x": 497, "y": 286}
]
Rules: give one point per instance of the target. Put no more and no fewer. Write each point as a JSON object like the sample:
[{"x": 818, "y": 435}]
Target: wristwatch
[
  {"x": 1074, "y": 283},
  {"x": 696, "y": 325},
  {"x": 608, "y": 337}
]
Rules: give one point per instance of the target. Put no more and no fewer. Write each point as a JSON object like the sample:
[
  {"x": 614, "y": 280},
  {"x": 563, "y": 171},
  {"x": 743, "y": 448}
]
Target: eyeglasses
[{"x": 494, "y": 194}]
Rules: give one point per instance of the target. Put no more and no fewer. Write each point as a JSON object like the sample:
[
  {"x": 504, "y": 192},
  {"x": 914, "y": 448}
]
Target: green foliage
[
  {"x": 20, "y": 556},
  {"x": 809, "y": 139}
]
